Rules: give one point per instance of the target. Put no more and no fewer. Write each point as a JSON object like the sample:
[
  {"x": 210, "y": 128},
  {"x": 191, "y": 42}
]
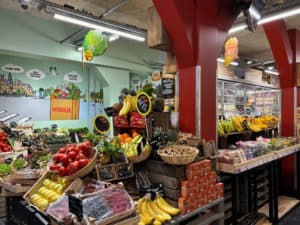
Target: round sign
[
  {"x": 101, "y": 124},
  {"x": 144, "y": 104}
]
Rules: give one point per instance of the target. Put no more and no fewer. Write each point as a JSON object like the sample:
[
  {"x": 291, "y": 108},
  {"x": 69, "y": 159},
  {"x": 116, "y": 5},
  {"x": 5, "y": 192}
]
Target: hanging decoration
[
  {"x": 94, "y": 44},
  {"x": 231, "y": 50}
]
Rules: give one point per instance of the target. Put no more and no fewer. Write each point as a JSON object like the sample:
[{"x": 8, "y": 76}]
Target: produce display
[
  {"x": 155, "y": 212},
  {"x": 107, "y": 203},
  {"x": 60, "y": 209},
  {"x": 246, "y": 150},
  {"x": 92, "y": 186},
  {"x": 178, "y": 154},
  {"x": 136, "y": 147},
  {"x": 50, "y": 191},
  {"x": 4, "y": 144},
  {"x": 72, "y": 158},
  {"x": 238, "y": 124},
  {"x": 5, "y": 169}
]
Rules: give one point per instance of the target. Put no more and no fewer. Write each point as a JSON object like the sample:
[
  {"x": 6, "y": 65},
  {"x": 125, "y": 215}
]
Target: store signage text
[
  {"x": 73, "y": 77},
  {"x": 13, "y": 68},
  {"x": 62, "y": 109},
  {"x": 35, "y": 74}
]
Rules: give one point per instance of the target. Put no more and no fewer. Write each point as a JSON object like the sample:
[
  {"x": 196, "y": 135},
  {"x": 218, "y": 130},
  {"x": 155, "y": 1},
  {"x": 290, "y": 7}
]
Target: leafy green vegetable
[
  {"x": 5, "y": 169},
  {"x": 19, "y": 164}
]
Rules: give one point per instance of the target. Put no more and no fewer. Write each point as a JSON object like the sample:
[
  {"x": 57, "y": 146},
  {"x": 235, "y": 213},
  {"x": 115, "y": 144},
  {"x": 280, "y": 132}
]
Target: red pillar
[
  {"x": 285, "y": 45},
  {"x": 197, "y": 30}
]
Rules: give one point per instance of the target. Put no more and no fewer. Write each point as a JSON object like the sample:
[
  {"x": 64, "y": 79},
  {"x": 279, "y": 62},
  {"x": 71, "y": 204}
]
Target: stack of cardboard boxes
[{"x": 200, "y": 188}]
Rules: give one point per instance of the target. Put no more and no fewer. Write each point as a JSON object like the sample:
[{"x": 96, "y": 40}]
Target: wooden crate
[
  {"x": 164, "y": 169},
  {"x": 2, "y": 207},
  {"x": 157, "y": 35},
  {"x": 158, "y": 119},
  {"x": 169, "y": 182}
]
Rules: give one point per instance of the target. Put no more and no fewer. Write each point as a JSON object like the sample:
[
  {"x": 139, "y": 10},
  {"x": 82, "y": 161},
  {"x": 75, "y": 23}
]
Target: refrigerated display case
[{"x": 237, "y": 99}]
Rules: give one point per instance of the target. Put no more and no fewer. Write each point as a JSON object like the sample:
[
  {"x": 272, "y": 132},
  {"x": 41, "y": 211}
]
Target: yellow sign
[
  {"x": 101, "y": 124},
  {"x": 64, "y": 109},
  {"x": 144, "y": 104},
  {"x": 231, "y": 50}
]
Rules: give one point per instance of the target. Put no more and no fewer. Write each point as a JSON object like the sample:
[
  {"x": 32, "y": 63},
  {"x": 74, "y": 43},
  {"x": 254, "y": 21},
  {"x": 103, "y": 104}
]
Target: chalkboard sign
[
  {"x": 144, "y": 104},
  {"x": 75, "y": 206},
  {"x": 168, "y": 84},
  {"x": 101, "y": 124}
]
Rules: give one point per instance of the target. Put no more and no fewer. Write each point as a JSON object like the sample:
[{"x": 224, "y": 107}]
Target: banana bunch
[
  {"x": 220, "y": 128},
  {"x": 129, "y": 105},
  {"x": 227, "y": 126},
  {"x": 253, "y": 127},
  {"x": 261, "y": 123},
  {"x": 237, "y": 124},
  {"x": 155, "y": 212}
]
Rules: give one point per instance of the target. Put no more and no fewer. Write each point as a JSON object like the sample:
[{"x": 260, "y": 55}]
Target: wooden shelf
[{"x": 258, "y": 161}]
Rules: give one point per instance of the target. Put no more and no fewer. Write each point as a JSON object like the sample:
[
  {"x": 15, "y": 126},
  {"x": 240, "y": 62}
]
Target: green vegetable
[
  {"x": 19, "y": 164},
  {"x": 44, "y": 158},
  {"x": 5, "y": 169}
]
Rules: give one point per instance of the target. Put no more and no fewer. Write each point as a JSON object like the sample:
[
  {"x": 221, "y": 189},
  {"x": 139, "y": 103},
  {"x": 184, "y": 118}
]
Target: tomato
[
  {"x": 62, "y": 150},
  {"x": 62, "y": 171},
  {"x": 86, "y": 148},
  {"x": 64, "y": 159},
  {"x": 80, "y": 156},
  {"x": 83, "y": 162},
  {"x": 72, "y": 154},
  {"x": 56, "y": 157},
  {"x": 54, "y": 167},
  {"x": 72, "y": 168}
]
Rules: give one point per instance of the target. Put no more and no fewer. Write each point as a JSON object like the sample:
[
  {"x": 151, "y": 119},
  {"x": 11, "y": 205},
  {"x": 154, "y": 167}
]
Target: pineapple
[{"x": 159, "y": 102}]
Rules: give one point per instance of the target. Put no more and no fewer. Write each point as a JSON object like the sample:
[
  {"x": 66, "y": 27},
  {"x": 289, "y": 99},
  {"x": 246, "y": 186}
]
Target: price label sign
[
  {"x": 143, "y": 104},
  {"x": 101, "y": 124},
  {"x": 75, "y": 206}
]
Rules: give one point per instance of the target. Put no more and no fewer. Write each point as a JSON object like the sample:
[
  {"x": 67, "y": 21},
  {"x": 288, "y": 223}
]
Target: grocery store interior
[{"x": 149, "y": 112}]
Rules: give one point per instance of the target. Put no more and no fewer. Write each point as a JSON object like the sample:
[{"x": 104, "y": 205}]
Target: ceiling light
[
  {"x": 249, "y": 62},
  {"x": 232, "y": 63},
  {"x": 111, "y": 39},
  {"x": 270, "y": 67},
  {"x": 237, "y": 28},
  {"x": 271, "y": 72},
  {"x": 84, "y": 23},
  {"x": 278, "y": 16}
]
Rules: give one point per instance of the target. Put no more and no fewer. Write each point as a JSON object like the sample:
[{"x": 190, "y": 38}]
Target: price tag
[
  {"x": 75, "y": 206},
  {"x": 143, "y": 104},
  {"x": 102, "y": 124}
]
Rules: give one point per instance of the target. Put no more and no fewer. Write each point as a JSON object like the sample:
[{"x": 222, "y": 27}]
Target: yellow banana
[
  {"x": 132, "y": 101},
  {"x": 146, "y": 220},
  {"x": 126, "y": 107},
  {"x": 139, "y": 203},
  {"x": 237, "y": 125},
  {"x": 158, "y": 217},
  {"x": 156, "y": 222},
  {"x": 158, "y": 211},
  {"x": 164, "y": 206}
]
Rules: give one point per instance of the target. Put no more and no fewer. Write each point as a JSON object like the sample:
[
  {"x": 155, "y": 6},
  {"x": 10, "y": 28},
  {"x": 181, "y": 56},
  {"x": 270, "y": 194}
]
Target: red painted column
[
  {"x": 197, "y": 31},
  {"x": 285, "y": 45}
]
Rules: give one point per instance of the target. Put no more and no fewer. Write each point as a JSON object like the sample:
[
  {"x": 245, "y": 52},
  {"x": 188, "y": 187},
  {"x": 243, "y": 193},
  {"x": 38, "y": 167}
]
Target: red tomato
[
  {"x": 64, "y": 160},
  {"x": 62, "y": 150},
  {"x": 83, "y": 162},
  {"x": 54, "y": 167},
  {"x": 80, "y": 156},
  {"x": 72, "y": 168},
  {"x": 62, "y": 171},
  {"x": 72, "y": 154}
]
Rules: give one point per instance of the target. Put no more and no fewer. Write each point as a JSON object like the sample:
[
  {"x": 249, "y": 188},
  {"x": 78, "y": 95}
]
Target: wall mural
[{"x": 42, "y": 90}]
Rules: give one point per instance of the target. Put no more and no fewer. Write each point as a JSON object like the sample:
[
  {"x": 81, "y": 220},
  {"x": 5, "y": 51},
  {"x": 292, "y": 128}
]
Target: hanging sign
[
  {"x": 94, "y": 44},
  {"x": 144, "y": 104},
  {"x": 13, "y": 68},
  {"x": 75, "y": 205},
  {"x": 231, "y": 50},
  {"x": 35, "y": 74},
  {"x": 102, "y": 124},
  {"x": 73, "y": 77},
  {"x": 168, "y": 84}
]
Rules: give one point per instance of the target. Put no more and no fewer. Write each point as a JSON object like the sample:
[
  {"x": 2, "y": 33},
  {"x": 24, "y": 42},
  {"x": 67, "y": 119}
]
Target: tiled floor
[{"x": 293, "y": 218}]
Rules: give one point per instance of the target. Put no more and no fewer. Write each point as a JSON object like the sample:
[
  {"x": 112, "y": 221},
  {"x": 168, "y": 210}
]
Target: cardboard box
[
  {"x": 189, "y": 192},
  {"x": 186, "y": 208},
  {"x": 212, "y": 178},
  {"x": 201, "y": 202},
  {"x": 211, "y": 194},
  {"x": 194, "y": 175},
  {"x": 189, "y": 183},
  {"x": 202, "y": 183},
  {"x": 220, "y": 186}
]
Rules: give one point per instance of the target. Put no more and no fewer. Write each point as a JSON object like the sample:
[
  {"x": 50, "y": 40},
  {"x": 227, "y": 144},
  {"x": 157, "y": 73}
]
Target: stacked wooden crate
[
  {"x": 169, "y": 176},
  {"x": 2, "y": 203}
]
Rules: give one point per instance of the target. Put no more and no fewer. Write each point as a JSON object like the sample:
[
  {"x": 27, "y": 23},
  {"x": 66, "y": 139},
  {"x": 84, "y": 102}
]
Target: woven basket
[{"x": 179, "y": 156}]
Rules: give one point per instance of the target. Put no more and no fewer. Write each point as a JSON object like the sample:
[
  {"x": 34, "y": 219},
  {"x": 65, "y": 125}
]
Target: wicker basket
[
  {"x": 83, "y": 171},
  {"x": 180, "y": 156}
]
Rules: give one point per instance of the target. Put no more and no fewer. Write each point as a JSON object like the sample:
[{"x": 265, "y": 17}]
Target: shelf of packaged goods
[
  {"x": 258, "y": 161},
  {"x": 206, "y": 217}
]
